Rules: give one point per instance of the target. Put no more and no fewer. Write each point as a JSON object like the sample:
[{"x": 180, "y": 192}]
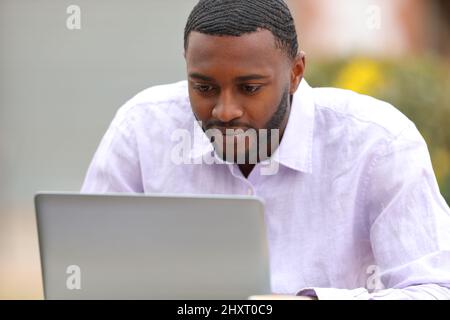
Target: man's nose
[{"x": 227, "y": 108}]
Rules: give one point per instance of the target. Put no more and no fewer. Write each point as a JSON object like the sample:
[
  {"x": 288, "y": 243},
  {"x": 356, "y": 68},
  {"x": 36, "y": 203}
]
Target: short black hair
[{"x": 238, "y": 17}]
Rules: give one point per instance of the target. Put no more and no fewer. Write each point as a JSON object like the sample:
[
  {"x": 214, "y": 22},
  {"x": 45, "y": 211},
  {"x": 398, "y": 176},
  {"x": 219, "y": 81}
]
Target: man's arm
[
  {"x": 409, "y": 225},
  {"x": 115, "y": 166}
]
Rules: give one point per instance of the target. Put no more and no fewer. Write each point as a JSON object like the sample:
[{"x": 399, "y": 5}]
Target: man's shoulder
[
  {"x": 162, "y": 94},
  {"x": 348, "y": 107},
  {"x": 157, "y": 103}
]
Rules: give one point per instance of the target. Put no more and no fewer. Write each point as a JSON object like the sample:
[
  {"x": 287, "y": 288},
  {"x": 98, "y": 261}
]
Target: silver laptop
[{"x": 120, "y": 246}]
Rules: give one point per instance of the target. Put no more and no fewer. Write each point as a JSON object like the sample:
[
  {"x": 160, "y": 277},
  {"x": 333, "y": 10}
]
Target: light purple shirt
[{"x": 353, "y": 211}]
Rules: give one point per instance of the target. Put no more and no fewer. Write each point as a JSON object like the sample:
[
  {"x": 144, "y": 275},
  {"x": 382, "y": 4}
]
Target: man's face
[{"x": 240, "y": 83}]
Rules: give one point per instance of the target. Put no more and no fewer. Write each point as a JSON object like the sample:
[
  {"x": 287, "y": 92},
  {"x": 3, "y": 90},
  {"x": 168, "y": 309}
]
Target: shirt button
[{"x": 250, "y": 191}]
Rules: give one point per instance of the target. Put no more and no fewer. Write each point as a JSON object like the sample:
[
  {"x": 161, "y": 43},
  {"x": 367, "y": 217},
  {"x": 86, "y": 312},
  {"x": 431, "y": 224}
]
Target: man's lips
[{"x": 227, "y": 131}]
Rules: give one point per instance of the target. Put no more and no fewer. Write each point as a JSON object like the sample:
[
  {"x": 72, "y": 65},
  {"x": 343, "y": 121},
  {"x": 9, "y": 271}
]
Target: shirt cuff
[{"x": 335, "y": 294}]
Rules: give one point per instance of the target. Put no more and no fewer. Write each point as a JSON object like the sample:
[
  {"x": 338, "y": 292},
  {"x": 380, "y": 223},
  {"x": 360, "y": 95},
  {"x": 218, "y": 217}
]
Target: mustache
[{"x": 220, "y": 124}]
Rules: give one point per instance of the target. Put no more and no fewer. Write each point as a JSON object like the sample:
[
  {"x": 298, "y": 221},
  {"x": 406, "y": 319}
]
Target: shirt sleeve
[
  {"x": 409, "y": 225},
  {"x": 115, "y": 166}
]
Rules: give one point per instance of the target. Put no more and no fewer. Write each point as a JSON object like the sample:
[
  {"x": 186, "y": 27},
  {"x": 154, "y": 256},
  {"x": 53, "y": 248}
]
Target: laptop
[{"x": 134, "y": 246}]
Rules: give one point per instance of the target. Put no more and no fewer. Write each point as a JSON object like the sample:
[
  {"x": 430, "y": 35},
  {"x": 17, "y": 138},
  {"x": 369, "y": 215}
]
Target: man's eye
[
  {"x": 203, "y": 88},
  {"x": 251, "y": 88}
]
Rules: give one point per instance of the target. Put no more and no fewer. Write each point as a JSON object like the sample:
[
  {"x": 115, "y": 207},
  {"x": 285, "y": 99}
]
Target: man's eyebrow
[
  {"x": 252, "y": 77},
  {"x": 249, "y": 77},
  {"x": 200, "y": 77}
]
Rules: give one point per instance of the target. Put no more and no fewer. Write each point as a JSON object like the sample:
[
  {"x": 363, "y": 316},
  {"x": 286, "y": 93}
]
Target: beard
[{"x": 251, "y": 145}]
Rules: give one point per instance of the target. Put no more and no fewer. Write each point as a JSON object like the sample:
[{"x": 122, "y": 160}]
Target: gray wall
[{"x": 59, "y": 89}]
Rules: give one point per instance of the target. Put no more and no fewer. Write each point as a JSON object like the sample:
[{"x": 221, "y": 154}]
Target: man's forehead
[{"x": 255, "y": 50}]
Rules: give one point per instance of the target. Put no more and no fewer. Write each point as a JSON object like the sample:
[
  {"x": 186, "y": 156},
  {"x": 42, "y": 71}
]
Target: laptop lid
[{"x": 120, "y": 246}]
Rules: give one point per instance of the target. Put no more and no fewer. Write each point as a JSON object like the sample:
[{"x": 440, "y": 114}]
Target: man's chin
[{"x": 242, "y": 156}]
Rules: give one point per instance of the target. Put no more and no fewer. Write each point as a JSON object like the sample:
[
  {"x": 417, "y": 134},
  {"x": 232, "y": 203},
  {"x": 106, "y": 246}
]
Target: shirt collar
[{"x": 295, "y": 149}]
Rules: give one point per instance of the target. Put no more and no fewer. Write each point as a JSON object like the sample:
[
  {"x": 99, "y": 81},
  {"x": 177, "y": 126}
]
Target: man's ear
[{"x": 297, "y": 71}]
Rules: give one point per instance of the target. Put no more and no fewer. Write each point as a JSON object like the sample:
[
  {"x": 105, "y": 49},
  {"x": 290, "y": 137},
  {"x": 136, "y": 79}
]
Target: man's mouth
[{"x": 231, "y": 132}]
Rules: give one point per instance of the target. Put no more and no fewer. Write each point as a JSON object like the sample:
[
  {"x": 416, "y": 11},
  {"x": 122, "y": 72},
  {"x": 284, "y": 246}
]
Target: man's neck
[{"x": 246, "y": 169}]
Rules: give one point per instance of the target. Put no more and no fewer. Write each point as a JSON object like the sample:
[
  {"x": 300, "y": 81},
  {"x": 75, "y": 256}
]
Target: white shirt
[{"x": 354, "y": 206}]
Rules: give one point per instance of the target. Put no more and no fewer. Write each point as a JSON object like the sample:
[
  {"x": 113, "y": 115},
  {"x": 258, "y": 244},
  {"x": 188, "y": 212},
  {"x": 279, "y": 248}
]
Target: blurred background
[{"x": 67, "y": 66}]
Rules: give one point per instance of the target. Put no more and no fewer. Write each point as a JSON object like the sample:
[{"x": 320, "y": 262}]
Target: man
[{"x": 353, "y": 210}]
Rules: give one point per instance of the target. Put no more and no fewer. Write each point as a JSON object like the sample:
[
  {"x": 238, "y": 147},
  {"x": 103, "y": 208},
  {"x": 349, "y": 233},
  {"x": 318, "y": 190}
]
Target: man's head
[{"x": 243, "y": 67}]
